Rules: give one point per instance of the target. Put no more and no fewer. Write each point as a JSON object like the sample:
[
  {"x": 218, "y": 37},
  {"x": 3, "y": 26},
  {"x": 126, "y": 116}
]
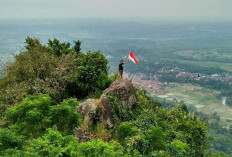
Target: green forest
[{"x": 45, "y": 84}]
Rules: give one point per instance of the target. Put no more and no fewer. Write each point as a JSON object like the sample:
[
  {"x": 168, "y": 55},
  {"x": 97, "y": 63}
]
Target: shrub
[
  {"x": 64, "y": 116},
  {"x": 10, "y": 139},
  {"x": 126, "y": 129},
  {"x": 98, "y": 148},
  {"x": 178, "y": 149},
  {"x": 145, "y": 120},
  {"x": 156, "y": 138},
  {"x": 31, "y": 114},
  {"x": 92, "y": 73},
  {"x": 35, "y": 113},
  {"x": 53, "y": 143},
  {"x": 144, "y": 101},
  {"x": 101, "y": 132}
]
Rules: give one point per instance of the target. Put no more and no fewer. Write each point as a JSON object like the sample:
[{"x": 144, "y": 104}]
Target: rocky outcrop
[
  {"x": 82, "y": 134},
  {"x": 88, "y": 110},
  {"x": 94, "y": 110},
  {"x": 106, "y": 111},
  {"x": 124, "y": 90}
]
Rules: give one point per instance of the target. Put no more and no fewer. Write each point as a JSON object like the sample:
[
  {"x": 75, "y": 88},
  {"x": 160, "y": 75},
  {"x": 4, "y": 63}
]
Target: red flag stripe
[{"x": 132, "y": 56}]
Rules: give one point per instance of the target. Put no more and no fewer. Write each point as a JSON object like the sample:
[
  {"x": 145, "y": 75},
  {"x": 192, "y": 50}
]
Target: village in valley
[{"x": 152, "y": 84}]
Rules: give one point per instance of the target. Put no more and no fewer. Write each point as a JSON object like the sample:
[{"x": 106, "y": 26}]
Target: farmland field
[
  {"x": 205, "y": 64},
  {"x": 203, "y": 99},
  {"x": 209, "y": 59}
]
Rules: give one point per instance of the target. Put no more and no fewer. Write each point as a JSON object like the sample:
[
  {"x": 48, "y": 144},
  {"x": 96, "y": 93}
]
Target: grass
[
  {"x": 213, "y": 55},
  {"x": 203, "y": 99},
  {"x": 205, "y": 59}
]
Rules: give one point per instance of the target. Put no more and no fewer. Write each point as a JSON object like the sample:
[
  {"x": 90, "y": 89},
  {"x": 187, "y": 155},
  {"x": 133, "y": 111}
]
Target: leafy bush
[
  {"x": 92, "y": 73},
  {"x": 101, "y": 132},
  {"x": 216, "y": 154},
  {"x": 119, "y": 113},
  {"x": 178, "y": 149},
  {"x": 10, "y": 139},
  {"x": 126, "y": 129},
  {"x": 64, "y": 116},
  {"x": 156, "y": 138},
  {"x": 31, "y": 114},
  {"x": 35, "y": 113},
  {"x": 58, "y": 48},
  {"x": 12, "y": 153},
  {"x": 53, "y": 143},
  {"x": 145, "y": 120},
  {"x": 98, "y": 148},
  {"x": 144, "y": 101}
]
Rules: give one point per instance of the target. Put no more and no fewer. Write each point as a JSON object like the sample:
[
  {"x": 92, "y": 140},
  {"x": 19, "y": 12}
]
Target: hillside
[{"x": 58, "y": 101}]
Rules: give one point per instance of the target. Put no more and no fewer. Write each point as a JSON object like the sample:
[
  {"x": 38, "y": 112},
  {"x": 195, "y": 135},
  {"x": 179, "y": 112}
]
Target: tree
[
  {"x": 216, "y": 154},
  {"x": 58, "y": 48},
  {"x": 184, "y": 108},
  {"x": 9, "y": 140},
  {"x": 52, "y": 69},
  {"x": 35, "y": 113},
  {"x": 37, "y": 71},
  {"x": 32, "y": 43},
  {"x": 126, "y": 129},
  {"x": 64, "y": 116},
  {"x": 98, "y": 148},
  {"x": 77, "y": 47},
  {"x": 156, "y": 138},
  {"x": 178, "y": 149},
  {"x": 53, "y": 143},
  {"x": 91, "y": 75},
  {"x": 31, "y": 115}
]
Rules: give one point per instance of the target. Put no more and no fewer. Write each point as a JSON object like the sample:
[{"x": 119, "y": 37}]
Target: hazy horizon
[{"x": 192, "y": 10}]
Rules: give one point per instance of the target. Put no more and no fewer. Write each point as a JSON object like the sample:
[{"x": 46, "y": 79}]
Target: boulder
[
  {"x": 124, "y": 90},
  {"x": 88, "y": 110},
  {"x": 92, "y": 109},
  {"x": 106, "y": 111},
  {"x": 82, "y": 134}
]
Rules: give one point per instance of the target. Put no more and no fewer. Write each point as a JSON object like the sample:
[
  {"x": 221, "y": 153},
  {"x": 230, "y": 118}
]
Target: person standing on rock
[{"x": 120, "y": 68}]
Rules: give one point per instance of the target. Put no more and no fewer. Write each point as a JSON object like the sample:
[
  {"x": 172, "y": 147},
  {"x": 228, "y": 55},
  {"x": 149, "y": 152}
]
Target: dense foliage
[
  {"x": 35, "y": 113},
  {"x": 221, "y": 135},
  {"x": 38, "y": 113},
  {"x": 54, "y": 69}
]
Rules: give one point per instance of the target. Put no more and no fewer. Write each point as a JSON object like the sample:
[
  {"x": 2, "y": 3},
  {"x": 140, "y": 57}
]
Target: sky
[{"x": 120, "y": 9}]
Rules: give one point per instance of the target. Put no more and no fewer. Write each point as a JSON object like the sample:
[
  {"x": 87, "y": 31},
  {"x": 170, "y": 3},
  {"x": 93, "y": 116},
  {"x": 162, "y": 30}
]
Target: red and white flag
[{"x": 132, "y": 58}]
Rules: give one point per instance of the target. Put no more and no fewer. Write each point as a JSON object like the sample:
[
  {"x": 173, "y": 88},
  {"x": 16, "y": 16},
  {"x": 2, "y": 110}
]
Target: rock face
[
  {"x": 82, "y": 134},
  {"x": 106, "y": 111},
  {"x": 88, "y": 110},
  {"x": 91, "y": 109},
  {"x": 124, "y": 90}
]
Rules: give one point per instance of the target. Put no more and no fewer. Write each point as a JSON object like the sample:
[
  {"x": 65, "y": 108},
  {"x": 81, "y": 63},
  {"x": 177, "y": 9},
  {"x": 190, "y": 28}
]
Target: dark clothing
[
  {"x": 120, "y": 67},
  {"x": 120, "y": 72}
]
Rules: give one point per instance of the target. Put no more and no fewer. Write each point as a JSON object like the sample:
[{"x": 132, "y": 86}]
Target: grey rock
[
  {"x": 88, "y": 110},
  {"x": 106, "y": 111},
  {"x": 124, "y": 90}
]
